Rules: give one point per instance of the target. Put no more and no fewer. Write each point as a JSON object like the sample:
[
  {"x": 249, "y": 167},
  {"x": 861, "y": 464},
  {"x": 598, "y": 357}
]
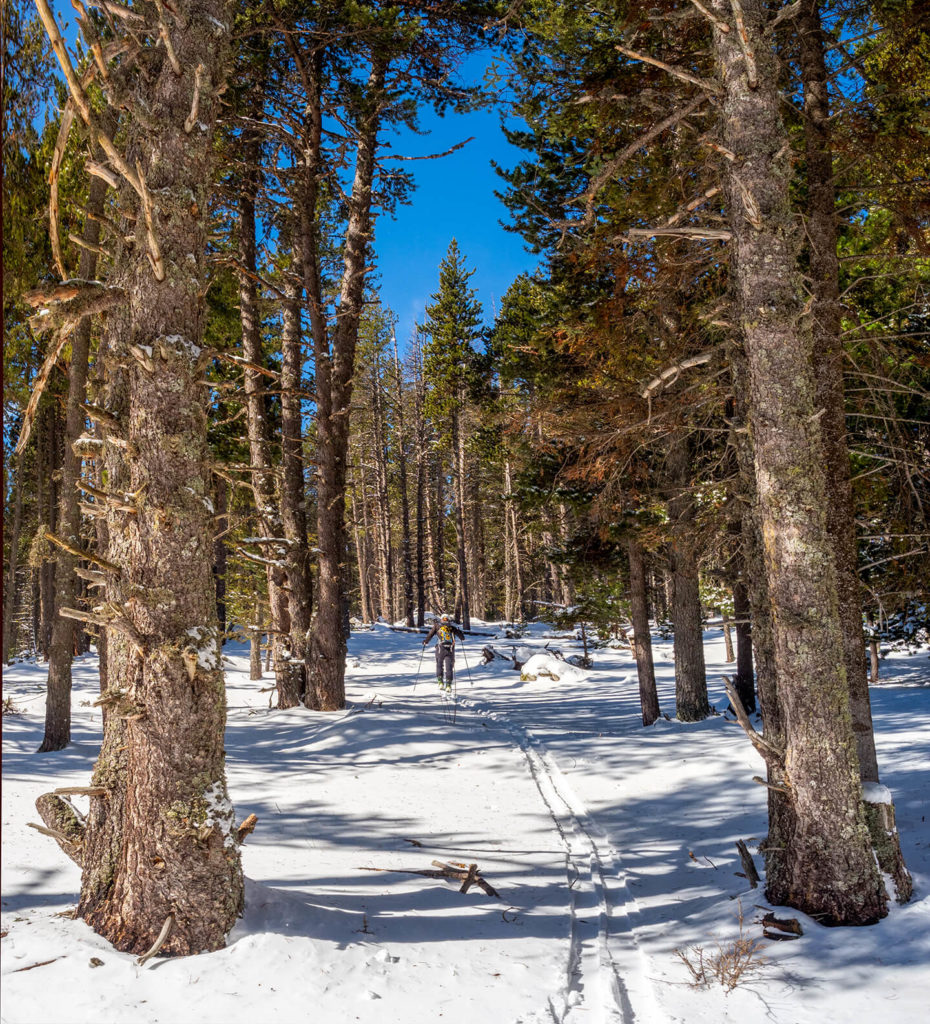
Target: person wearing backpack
[{"x": 445, "y": 634}]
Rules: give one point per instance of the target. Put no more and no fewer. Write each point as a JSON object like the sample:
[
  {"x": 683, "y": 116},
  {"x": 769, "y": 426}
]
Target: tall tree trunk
[
  {"x": 159, "y": 848},
  {"x": 513, "y": 602},
  {"x": 335, "y": 367},
  {"x": 263, "y": 478},
  {"x": 371, "y": 569},
  {"x": 730, "y": 657},
  {"x": 691, "y": 703},
  {"x": 565, "y": 582},
  {"x": 423, "y": 535},
  {"x": 406, "y": 555},
  {"x": 11, "y": 594},
  {"x": 435, "y": 517},
  {"x": 101, "y": 394},
  {"x": 458, "y": 455},
  {"x": 826, "y": 327},
  {"x": 47, "y": 459},
  {"x": 642, "y": 640},
  {"x": 61, "y": 649},
  {"x": 781, "y": 809},
  {"x": 220, "y": 551},
  {"x": 362, "y": 562},
  {"x": 421, "y": 530},
  {"x": 744, "y": 675},
  {"x": 255, "y": 642},
  {"x": 474, "y": 539},
  {"x": 828, "y": 869},
  {"x": 383, "y": 514},
  {"x": 873, "y": 650},
  {"x": 298, "y": 568}
]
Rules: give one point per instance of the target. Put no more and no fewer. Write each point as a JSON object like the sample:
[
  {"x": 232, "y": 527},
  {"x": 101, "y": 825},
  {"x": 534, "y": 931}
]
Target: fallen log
[{"x": 783, "y": 924}]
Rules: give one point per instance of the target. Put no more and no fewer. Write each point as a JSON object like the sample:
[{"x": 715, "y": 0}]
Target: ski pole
[
  {"x": 471, "y": 681},
  {"x": 419, "y": 666}
]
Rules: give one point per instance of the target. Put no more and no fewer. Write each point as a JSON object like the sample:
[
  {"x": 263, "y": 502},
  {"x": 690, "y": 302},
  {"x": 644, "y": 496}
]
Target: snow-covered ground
[{"x": 612, "y": 846}]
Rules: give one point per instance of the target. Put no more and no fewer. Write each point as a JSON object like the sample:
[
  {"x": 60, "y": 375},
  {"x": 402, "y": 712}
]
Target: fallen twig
[
  {"x": 159, "y": 942},
  {"x": 467, "y": 874}
]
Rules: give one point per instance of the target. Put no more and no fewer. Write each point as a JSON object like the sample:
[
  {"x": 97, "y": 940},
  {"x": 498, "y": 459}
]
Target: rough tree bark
[
  {"x": 160, "y": 844},
  {"x": 827, "y": 867},
  {"x": 458, "y": 463},
  {"x": 691, "y": 703},
  {"x": 48, "y": 461},
  {"x": 263, "y": 477},
  {"x": 61, "y": 647},
  {"x": 745, "y": 686},
  {"x": 423, "y": 536},
  {"x": 406, "y": 554},
  {"x": 513, "y": 602},
  {"x": 826, "y": 327},
  {"x": 297, "y": 564},
  {"x": 335, "y": 365},
  {"x": 382, "y": 502},
  {"x": 220, "y": 550},
  {"x": 10, "y": 594},
  {"x": 642, "y": 639}
]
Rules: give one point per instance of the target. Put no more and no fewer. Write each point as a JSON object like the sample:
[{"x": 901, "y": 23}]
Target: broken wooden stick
[
  {"x": 749, "y": 867},
  {"x": 467, "y": 874},
  {"x": 246, "y": 828},
  {"x": 783, "y": 924}
]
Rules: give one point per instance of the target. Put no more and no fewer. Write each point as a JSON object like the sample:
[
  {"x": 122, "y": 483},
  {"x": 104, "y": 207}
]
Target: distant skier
[{"x": 445, "y": 634}]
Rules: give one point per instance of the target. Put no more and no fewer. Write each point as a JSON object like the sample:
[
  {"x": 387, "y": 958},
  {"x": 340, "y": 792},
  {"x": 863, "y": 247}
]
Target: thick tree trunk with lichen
[
  {"x": 161, "y": 842},
  {"x": 759, "y": 659},
  {"x": 827, "y": 867},
  {"x": 61, "y": 647},
  {"x": 691, "y": 703}
]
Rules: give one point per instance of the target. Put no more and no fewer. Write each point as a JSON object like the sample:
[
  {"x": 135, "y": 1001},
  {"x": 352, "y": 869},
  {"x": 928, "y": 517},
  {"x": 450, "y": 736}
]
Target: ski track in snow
[
  {"x": 606, "y": 971},
  {"x": 337, "y": 793}
]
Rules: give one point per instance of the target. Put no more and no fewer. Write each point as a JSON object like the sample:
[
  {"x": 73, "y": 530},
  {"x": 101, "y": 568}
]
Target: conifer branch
[{"x": 672, "y": 69}]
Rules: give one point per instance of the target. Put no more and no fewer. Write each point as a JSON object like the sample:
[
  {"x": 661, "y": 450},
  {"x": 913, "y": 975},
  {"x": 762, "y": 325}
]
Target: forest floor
[{"x": 611, "y": 846}]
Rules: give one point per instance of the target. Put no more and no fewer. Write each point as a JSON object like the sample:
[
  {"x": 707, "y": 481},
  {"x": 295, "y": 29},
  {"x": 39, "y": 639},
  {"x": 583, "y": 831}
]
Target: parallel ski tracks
[{"x": 606, "y": 974}]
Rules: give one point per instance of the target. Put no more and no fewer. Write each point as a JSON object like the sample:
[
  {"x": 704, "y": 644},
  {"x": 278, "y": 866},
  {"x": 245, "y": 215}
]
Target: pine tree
[{"x": 453, "y": 322}]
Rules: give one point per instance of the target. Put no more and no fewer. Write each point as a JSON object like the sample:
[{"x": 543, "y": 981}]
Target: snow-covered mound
[{"x": 548, "y": 665}]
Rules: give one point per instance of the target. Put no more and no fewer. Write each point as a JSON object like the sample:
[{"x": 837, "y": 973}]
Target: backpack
[{"x": 445, "y": 634}]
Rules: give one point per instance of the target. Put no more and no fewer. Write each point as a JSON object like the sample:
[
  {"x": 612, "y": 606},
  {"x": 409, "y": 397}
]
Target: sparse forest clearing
[
  {"x": 611, "y": 847},
  {"x": 366, "y": 349}
]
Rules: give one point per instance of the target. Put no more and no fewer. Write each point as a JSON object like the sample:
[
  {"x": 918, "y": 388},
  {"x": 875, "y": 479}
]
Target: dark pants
[{"x": 444, "y": 662}]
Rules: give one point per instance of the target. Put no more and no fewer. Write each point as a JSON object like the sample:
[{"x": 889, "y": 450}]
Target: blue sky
[{"x": 454, "y": 198}]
